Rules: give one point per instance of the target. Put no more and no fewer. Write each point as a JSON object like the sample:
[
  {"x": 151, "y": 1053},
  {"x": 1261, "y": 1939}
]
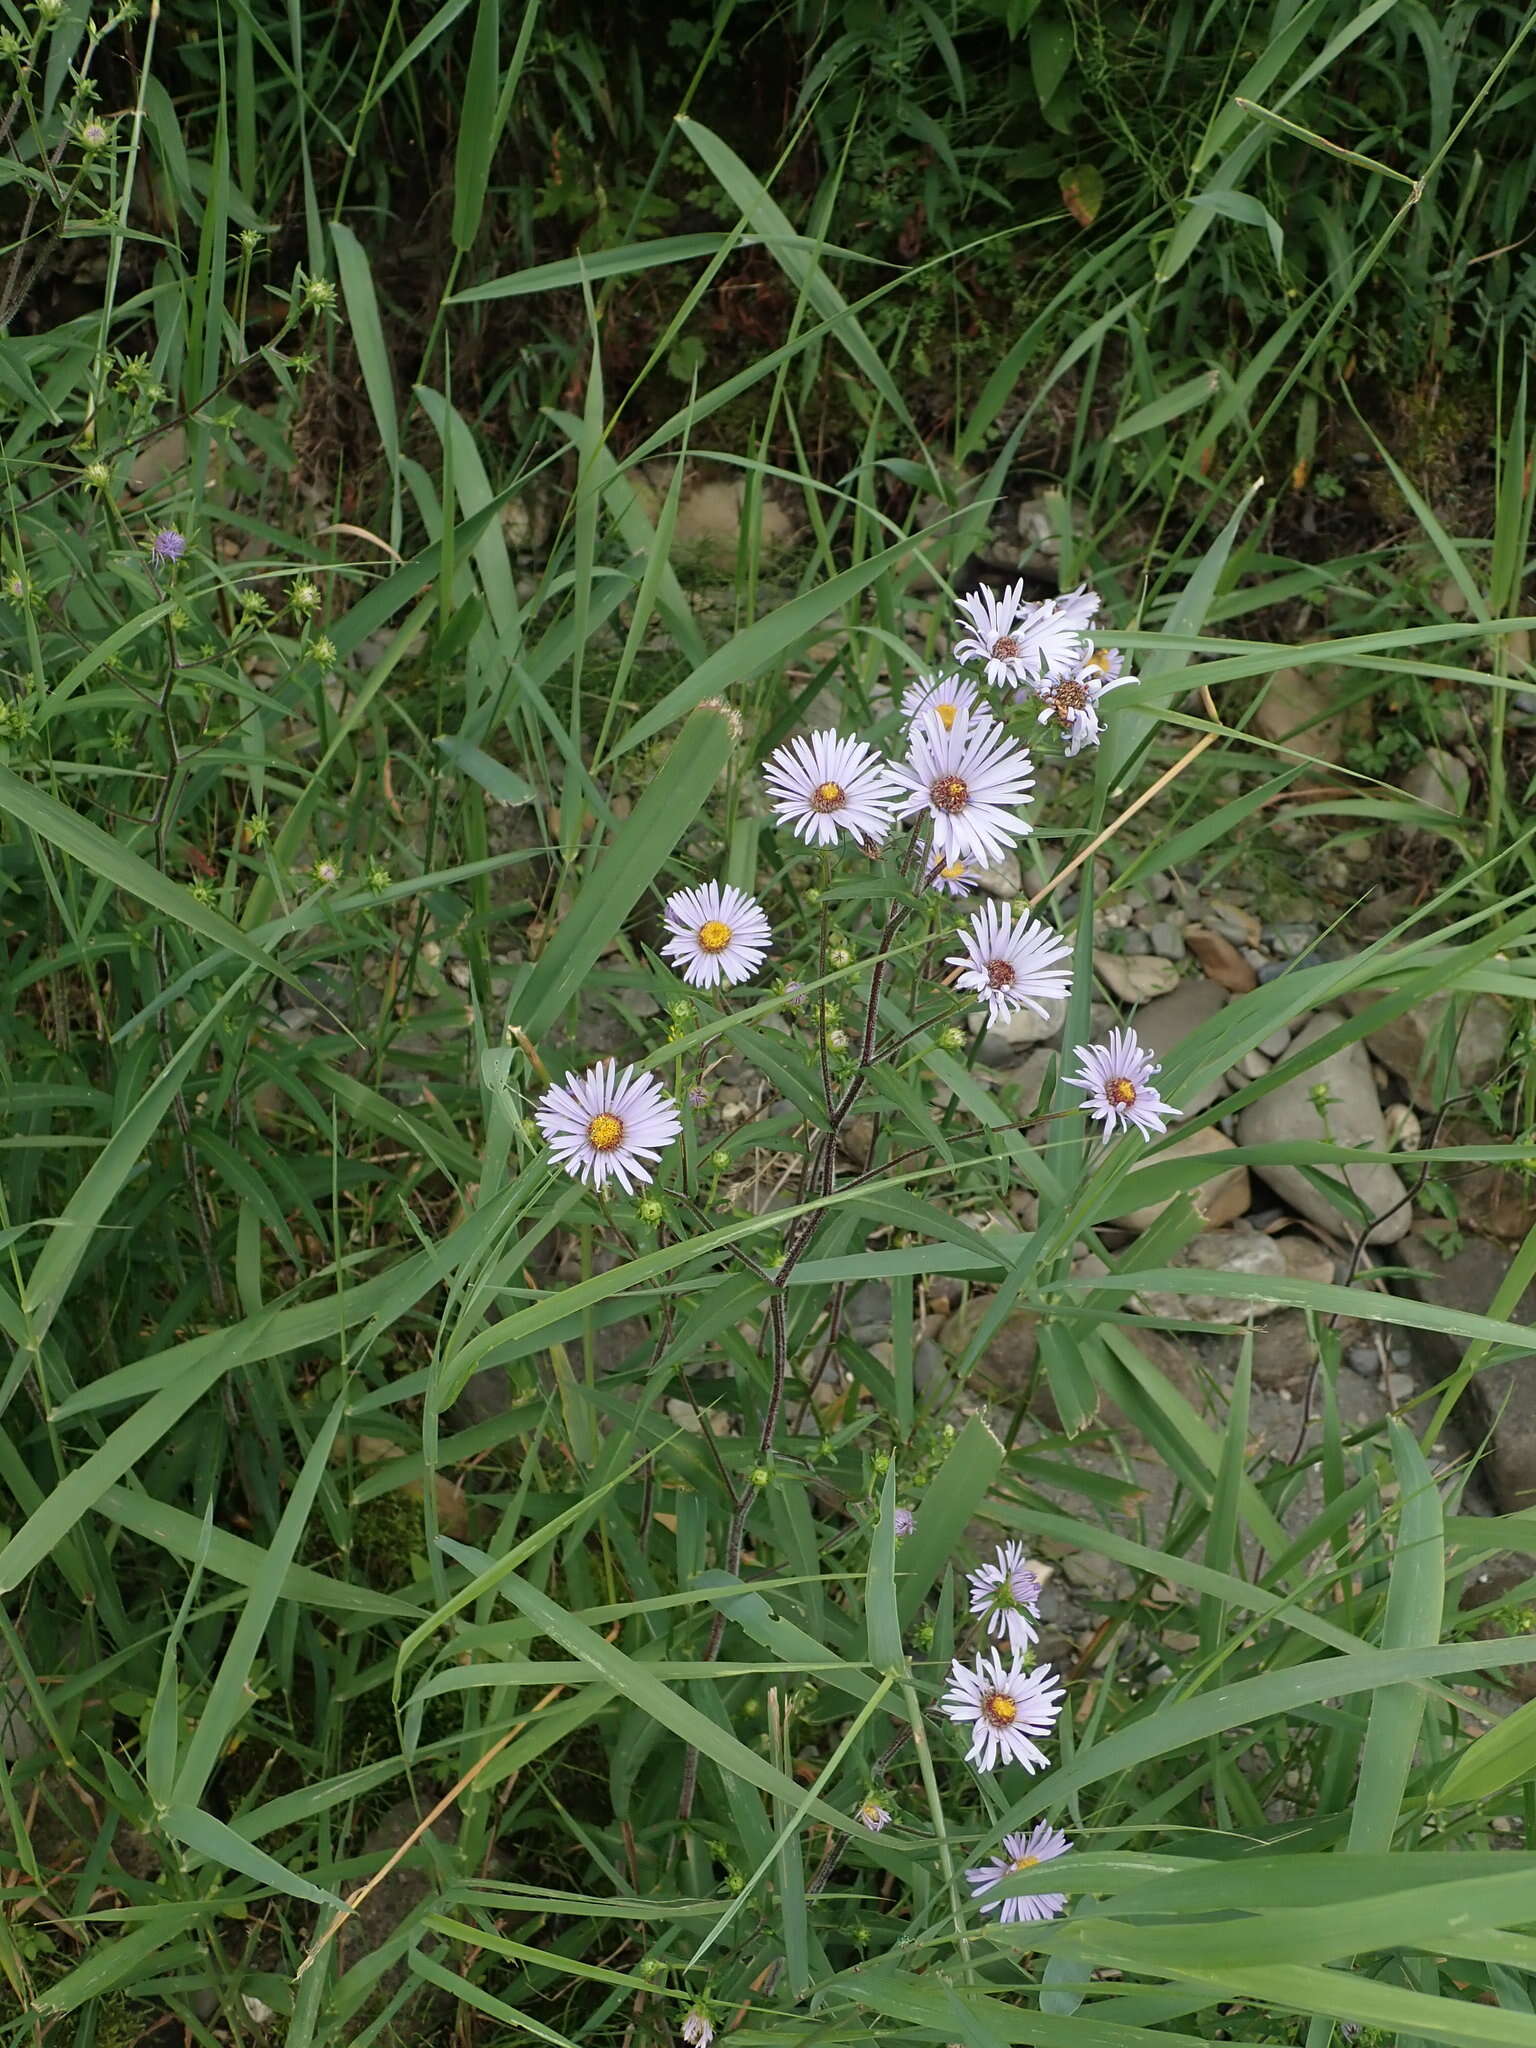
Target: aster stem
[
  {"x": 735, "y": 1541},
  {"x": 936, "y": 1809}
]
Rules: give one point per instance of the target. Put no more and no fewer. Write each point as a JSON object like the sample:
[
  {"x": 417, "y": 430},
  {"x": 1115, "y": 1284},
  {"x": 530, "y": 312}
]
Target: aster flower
[
  {"x": 1004, "y": 1596},
  {"x": 943, "y": 697},
  {"x": 954, "y": 877},
  {"x": 1117, "y": 1082},
  {"x": 874, "y": 1815},
  {"x": 995, "y": 636},
  {"x": 718, "y": 934},
  {"x": 1059, "y": 628},
  {"x": 1043, "y": 1844},
  {"x": 168, "y": 545},
  {"x": 969, "y": 777},
  {"x": 1005, "y": 1706},
  {"x": 1012, "y": 966},
  {"x": 1070, "y": 700},
  {"x": 603, "y": 1123},
  {"x": 697, "y": 2029},
  {"x": 828, "y": 781}
]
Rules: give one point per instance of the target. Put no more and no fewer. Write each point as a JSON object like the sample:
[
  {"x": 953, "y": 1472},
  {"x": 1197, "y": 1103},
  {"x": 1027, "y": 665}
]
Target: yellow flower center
[
  {"x": 1000, "y": 974},
  {"x": 1024, "y": 1862},
  {"x": 1001, "y": 1709},
  {"x": 955, "y": 872},
  {"x": 947, "y": 715},
  {"x": 1099, "y": 659},
  {"x": 1121, "y": 1093},
  {"x": 950, "y": 793},
  {"x": 828, "y": 796},
  {"x": 605, "y": 1132},
  {"x": 714, "y": 937}
]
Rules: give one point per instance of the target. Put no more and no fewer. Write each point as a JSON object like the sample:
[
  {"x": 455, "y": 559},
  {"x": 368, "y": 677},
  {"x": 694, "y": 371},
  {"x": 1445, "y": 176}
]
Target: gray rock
[
  {"x": 1135, "y": 979},
  {"x": 19, "y": 1737},
  {"x": 1020, "y": 1029},
  {"x": 1297, "y": 712},
  {"x": 1288, "y": 1113},
  {"x": 1007, "y": 1363},
  {"x": 1218, "y": 1200},
  {"x": 1164, "y": 1024},
  {"x": 1137, "y": 944},
  {"x": 1413, "y": 1046},
  {"x": 1363, "y": 1359},
  {"x": 1499, "y": 1405},
  {"x": 1004, "y": 881},
  {"x": 1221, "y": 1251},
  {"x": 1290, "y": 940},
  {"x": 1277, "y": 1044},
  {"x": 1439, "y": 782},
  {"x": 1167, "y": 939},
  {"x": 868, "y": 1313}
]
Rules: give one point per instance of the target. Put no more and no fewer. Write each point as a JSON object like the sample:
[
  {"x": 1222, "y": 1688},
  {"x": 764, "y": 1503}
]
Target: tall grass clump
[{"x": 519, "y": 1164}]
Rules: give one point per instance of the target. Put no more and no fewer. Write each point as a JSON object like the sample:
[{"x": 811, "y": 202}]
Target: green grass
[{"x": 346, "y": 1467}]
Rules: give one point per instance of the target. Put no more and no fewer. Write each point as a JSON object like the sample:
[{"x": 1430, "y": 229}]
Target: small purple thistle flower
[
  {"x": 903, "y": 1521},
  {"x": 168, "y": 545}
]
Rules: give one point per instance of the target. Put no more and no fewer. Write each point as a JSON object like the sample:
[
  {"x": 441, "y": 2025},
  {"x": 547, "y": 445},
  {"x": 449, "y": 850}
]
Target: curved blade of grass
[
  {"x": 633, "y": 1682},
  {"x": 627, "y": 868},
  {"x": 1414, "y": 1614},
  {"x": 767, "y": 219}
]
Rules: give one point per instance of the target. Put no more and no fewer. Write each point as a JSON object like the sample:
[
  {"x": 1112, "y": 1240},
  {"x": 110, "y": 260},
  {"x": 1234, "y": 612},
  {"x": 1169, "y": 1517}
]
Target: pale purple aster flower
[
  {"x": 874, "y": 1815},
  {"x": 697, "y": 2030},
  {"x": 1005, "y": 1595},
  {"x": 602, "y": 1123},
  {"x": 1043, "y": 1844},
  {"x": 1059, "y": 628},
  {"x": 903, "y": 1521},
  {"x": 995, "y": 636},
  {"x": 1012, "y": 966},
  {"x": 1006, "y": 1706},
  {"x": 945, "y": 698},
  {"x": 828, "y": 781},
  {"x": 1070, "y": 700},
  {"x": 718, "y": 934},
  {"x": 698, "y": 1098},
  {"x": 168, "y": 545},
  {"x": 1117, "y": 1083},
  {"x": 970, "y": 777},
  {"x": 954, "y": 877}
]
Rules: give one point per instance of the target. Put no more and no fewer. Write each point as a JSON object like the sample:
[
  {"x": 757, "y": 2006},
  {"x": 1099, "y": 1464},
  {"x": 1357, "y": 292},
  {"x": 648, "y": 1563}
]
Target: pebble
[
  {"x": 1135, "y": 980},
  {"x": 1167, "y": 940},
  {"x": 1160, "y": 887},
  {"x": 1276, "y": 1045},
  {"x": 1139, "y": 944},
  {"x": 1363, "y": 1359},
  {"x": 1402, "y": 1386},
  {"x": 1272, "y": 971},
  {"x": 1290, "y": 940},
  {"x": 1238, "y": 925}
]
